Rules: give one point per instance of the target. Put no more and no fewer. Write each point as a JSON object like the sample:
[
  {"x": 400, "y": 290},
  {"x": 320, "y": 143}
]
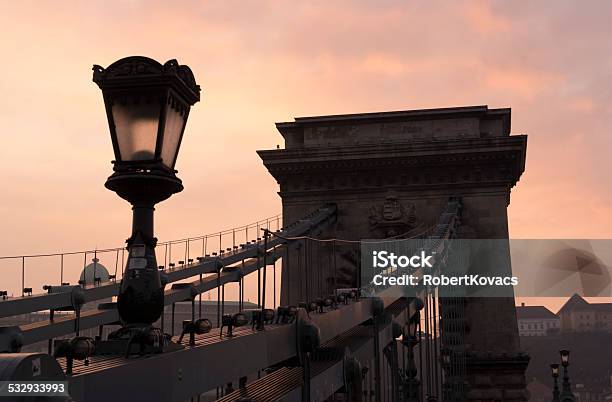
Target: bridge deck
[
  {"x": 326, "y": 370},
  {"x": 270, "y": 387},
  {"x": 214, "y": 360}
]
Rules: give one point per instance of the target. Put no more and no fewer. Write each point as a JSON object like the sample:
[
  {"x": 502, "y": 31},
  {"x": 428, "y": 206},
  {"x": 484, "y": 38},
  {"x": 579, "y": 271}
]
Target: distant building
[
  {"x": 94, "y": 272},
  {"x": 536, "y": 321},
  {"x": 578, "y": 315},
  {"x": 91, "y": 274},
  {"x": 593, "y": 392}
]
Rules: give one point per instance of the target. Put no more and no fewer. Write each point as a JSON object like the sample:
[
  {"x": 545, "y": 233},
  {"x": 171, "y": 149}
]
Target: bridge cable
[
  {"x": 335, "y": 265},
  {"x": 389, "y": 239},
  {"x": 319, "y": 271},
  {"x": 274, "y": 281},
  {"x": 288, "y": 270},
  {"x": 265, "y": 270},
  {"x": 299, "y": 271},
  {"x": 241, "y": 289},
  {"x": 435, "y": 331},
  {"x": 427, "y": 343},
  {"x": 431, "y": 343},
  {"x": 218, "y": 297},
  {"x": 420, "y": 329},
  {"x": 116, "y": 266},
  {"x": 306, "y": 270},
  {"x": 258, "y": 282}
]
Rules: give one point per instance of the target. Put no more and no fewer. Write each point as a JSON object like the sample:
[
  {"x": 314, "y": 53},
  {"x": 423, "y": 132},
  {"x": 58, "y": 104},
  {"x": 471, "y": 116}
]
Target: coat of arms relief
[{"x": 392, "y": 218}]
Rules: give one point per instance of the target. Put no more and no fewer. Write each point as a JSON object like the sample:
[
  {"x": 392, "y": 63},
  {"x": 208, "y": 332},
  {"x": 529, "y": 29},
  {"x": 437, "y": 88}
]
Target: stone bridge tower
[{"x": 391, "y": 173}]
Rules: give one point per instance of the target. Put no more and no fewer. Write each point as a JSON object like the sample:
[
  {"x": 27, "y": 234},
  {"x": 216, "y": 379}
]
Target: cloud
[
  {"x": 481, "y": 17},
  {"x": 522, "y": 82}
]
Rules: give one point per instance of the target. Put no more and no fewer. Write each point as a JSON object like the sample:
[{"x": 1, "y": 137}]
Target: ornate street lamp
[
  {"x": 566, "y": 393},
  {"x": 564, "y": 357},
  {"x": 147, "y": 105},
  {"x": 554, "y": 368}
]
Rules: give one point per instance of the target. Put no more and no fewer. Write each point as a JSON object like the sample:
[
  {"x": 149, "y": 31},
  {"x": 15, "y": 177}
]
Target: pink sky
[{"x": 262, "y": 62}]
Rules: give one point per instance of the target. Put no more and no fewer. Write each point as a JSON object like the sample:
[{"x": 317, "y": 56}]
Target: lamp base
[
  {"x": 144, "y": 187},
  {"x": 140, "y": 300}
]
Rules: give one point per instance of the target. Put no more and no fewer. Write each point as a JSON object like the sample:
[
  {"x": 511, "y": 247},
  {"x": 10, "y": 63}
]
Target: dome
[{"x": 95, "y": 268}]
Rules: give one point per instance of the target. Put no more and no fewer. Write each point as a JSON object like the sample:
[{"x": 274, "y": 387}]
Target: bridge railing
[
  {"x": 25, "y": 275},
  {"x": 214, "y": 271}
]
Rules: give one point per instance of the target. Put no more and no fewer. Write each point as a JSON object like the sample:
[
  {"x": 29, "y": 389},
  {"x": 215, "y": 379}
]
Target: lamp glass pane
[
  {"x": 555, "y": 369},
  {"x": 136, "y": 125},
  {"x": 172, "y": 135}
]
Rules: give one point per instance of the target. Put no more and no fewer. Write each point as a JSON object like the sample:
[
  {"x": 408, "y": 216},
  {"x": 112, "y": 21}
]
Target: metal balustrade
[
  {"x": 64, "y": 267},
  {"x": 63, "y": 298}
]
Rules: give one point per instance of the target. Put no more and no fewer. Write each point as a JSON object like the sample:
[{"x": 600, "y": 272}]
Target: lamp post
[
  {"x": 554, "y": 368},
  {"x": 147, "y": 105},
  {"x": 566, "y": 393}
]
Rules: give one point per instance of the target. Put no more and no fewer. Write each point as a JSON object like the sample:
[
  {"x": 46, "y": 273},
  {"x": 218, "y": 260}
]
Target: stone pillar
[{"x": 391, "y": 174}]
